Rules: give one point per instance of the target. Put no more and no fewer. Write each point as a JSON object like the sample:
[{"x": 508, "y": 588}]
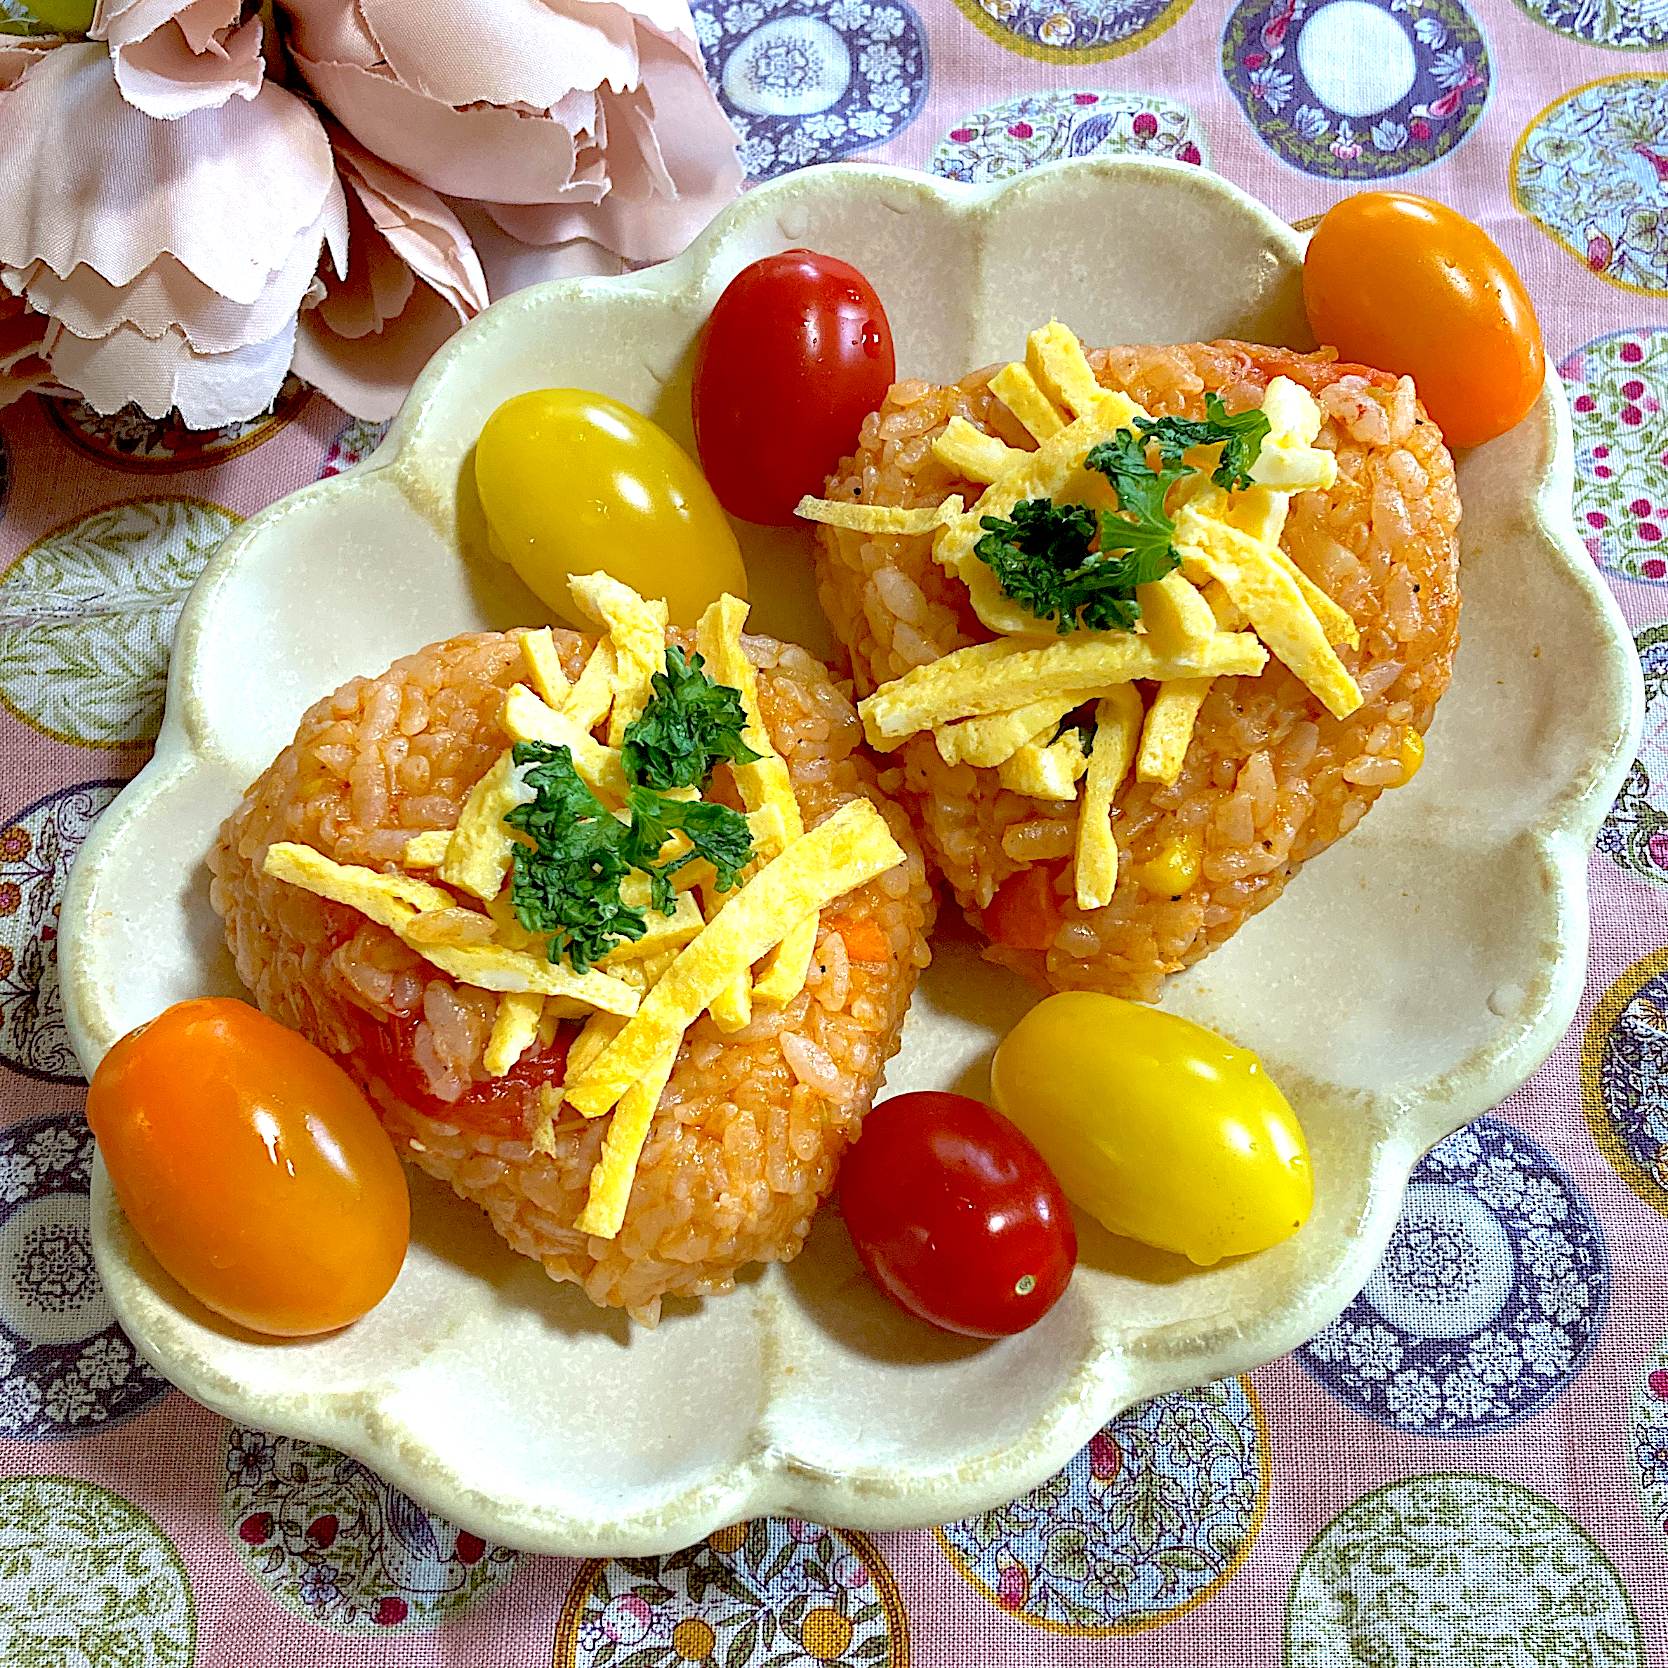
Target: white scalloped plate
[{"x": 1409, "y": 980}]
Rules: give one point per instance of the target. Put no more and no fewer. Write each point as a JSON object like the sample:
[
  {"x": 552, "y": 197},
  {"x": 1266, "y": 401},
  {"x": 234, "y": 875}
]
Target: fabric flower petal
[
  {"x": 483, "y": 151},
  {"x": 165, "y": 296},
  {"x": 175, "y": 56},
  {"x": 421, "y": 230},
  {"x": 670, "y": 132},
  {"x": 209, "y": 389},
  {"x": 370, "y": 375},
  {"x": 90, "y": 179},
  {"x": 23, "y": 335},
  {"x": 585, "y": 120},
  {"x": 413, "y": 279},
  {"x": 510, "y": 52},
  {"x": 512, "y": 263},
  {"x": 19, "y": 53}
]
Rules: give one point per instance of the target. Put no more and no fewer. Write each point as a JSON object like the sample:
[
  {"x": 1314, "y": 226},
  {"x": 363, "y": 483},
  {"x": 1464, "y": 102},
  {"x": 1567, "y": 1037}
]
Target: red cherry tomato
[
  {"x": 796, "y": 354},
  {"x": 1025, "y": 914},
  {"x": 956, "y": 1216},
  {"x": 252, "y": 1167},
  {"x": 1407, "y": 285}
]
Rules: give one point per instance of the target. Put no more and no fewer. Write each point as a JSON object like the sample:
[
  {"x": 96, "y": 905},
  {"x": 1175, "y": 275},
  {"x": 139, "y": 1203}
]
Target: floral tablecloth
[{"x": 1469, "y": 1467}]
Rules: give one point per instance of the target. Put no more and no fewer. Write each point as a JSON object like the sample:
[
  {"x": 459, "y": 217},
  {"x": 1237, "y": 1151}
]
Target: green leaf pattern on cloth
[
  {"x": 1453, "y": 1568},
  {"x": 87, "y": 617},
  {"x": 88, "y": 1578}
]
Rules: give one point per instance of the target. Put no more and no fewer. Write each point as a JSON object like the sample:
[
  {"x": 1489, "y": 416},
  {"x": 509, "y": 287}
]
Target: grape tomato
[
  {"x": 797, "y": 353},
  {"x": 252, "y": 1167},
  {"x": 955, "y": 1215},
  {"x": 1163, "y": 1131},
  {"x": 1407, "y": 285},
  {"x": 573, "y": 482}
]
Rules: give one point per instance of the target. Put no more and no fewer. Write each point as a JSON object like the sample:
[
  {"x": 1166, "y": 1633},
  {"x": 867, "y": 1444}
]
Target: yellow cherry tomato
[
  {"x": 1161, "y": 1130},
  {"x": 574, "y": 482}
]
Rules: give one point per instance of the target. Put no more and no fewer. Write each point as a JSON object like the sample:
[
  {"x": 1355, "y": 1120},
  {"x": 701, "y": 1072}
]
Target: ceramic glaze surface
[{"x": 1408, "y": 981}]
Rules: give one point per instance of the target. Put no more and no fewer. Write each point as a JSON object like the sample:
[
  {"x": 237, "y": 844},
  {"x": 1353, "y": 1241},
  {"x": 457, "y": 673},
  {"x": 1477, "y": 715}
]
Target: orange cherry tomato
[
  {"x": 1409, "y": 286},
  {"x": 252, "y": 1167},
  {"x": 1025, "y": 914}
]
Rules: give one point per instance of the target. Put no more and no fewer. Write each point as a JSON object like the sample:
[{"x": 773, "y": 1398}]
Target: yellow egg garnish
[
  {"x": 574, "y": 483},
  {"x": 1161, "y": 1130}
]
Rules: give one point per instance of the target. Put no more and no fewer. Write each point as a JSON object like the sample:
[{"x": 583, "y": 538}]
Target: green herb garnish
[
  {"x": 1040, "y": 557},
  {"x": 690, "y": 723},
  {"x": 1139, "y": 526},
  {"x": 567, "y": 883},
  {"x": 714, "y": 831},
  {"x": 1241, "y": 438}
]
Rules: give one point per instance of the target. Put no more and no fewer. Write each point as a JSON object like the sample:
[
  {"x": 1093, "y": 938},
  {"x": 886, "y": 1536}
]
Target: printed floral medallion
[
  {"x": 1648, "y": 1434},
  {"x": 1591, "y": 171},
  {"x": 65, "y": 1365},
  {"x": 1145, "y": 1524},
  {"x": 1488, "y": 1301},
  {"x": 1624, "y": 1078},
  {"x": 1635, "y": 832},
  {"x": 354, "y": 442},
  {"x": 1458, "y": 1569},
  {"x": 769, "y": 1593},
  {"x": 1618, "y": 389},
  {"x": 328, "y": 1538},
  {"x": 1019, "y": 133},
  {"x": 1357, "y": 89},
  {"x": 89, "y": 1579},
  {"x": 128, "y": 439},
  {"x": 1621, "y": 25},
  {"x": 36, "y": 849},
  {"x": 805, "y": 83},
  {"x": 1073, "y": 31},
  {"x": 95, "y": 603}
]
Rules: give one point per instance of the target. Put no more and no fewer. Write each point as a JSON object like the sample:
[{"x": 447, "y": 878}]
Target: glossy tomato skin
[
  {"x": 956, "y": 1216},
  {"x": 1407, "y": 285},
  {"x": 796, "y": 354},
  {"x": 573, "y": 482},
  {"x": 1025, "y": 913},
  {"x": 252, "y": 1167},
  {"x": 1161, "y": 1130}
]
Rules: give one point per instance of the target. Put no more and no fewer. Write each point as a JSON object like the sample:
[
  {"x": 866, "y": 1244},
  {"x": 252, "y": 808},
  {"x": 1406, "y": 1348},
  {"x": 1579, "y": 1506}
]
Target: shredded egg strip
[{"x": 850, "y": 847}]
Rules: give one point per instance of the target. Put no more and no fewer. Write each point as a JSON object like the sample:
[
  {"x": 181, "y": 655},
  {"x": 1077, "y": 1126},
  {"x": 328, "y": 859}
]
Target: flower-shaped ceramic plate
[{"x": 1410, "y": 978}]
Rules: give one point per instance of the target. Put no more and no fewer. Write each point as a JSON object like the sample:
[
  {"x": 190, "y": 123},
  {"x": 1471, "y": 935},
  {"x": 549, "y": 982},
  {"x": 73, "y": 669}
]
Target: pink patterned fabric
[{"x": 1471, "y": 1466}]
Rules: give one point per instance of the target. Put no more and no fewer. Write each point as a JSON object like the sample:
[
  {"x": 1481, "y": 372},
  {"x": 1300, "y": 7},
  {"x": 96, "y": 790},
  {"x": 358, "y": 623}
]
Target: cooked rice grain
[
  {"x": 1270, "y": 778},
  {"x": 751, "y": 1127}
]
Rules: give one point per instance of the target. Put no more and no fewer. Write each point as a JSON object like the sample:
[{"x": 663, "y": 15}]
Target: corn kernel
[
  {"x": 1413, "y": 755},
  {"x": 1174, "y": 870}
]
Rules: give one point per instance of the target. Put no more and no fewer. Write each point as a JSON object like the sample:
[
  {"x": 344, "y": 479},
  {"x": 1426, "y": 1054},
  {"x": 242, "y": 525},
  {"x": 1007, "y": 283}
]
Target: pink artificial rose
[
  {"x": 413, "y": 277},
  {"x": 595, "y": 123},
  {"x": 175, "y": 56},
  {"x": 176, "y": 279}
]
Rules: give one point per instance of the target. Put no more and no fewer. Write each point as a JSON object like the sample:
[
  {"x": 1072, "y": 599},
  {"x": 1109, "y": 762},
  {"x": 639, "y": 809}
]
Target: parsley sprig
[
  {"x": 1241, "y": 438},
  {"x": 689, "y": 724},
  {"x": 714, "y": 832},
  {"x": 1045, "y": 556},
  {"x": 565, "y": 880}
]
